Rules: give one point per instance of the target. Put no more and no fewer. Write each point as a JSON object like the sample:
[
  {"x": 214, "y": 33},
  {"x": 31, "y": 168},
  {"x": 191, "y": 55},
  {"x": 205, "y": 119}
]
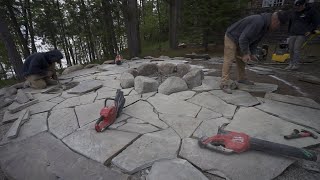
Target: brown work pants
[
  {"x": 41, "y": 81},
  {"x": 231, "y": 51}
]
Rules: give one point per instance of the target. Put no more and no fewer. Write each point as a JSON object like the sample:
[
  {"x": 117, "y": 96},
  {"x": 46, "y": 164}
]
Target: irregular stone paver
[
  {"x": 41, "y": 107},
  {"x": 146, "y": 150},
  {"x": 106, "y": 92},
  {"x": 166, "y": 105},
  {"x": 45, "y": 157},
  {"x": 37, "y": 123},
  {"x": 66, "y": 95},
  {"x": 214, "y": 103},
  {"x": 116, "y": 125},
  {"x": 85, "y": 87},
  {"x": 258, "y": 87},
  {"x": 178, "y": 169},
  {"x": 85, "y": 78},
  {"x": 144, "y": 111},
  {"x": 110, "y": 81},
  {"x": 98, "y": 146},
  {"x": 76, "y": 101},
  {"x": 9, "y": 117},
  {"x": 45, "y": 97},
  {"x": 57, "y": 100},
  {"x": 208, "y": 83},
  {"x": 250, "y": 165},
  {"x": 89, "y": 112},
  {"x": 304, "y": 116},
  {"x": 79, "y": 73},
  {"x": 135, "y": 120},
  {"x": 301, "y": 101},
  {"x": 184, "y": 95},
  {"x": 238, "y": 98},
  {"x": 184, "y": 126},
  {"x": 62, "y": 122},
  {"x": 208, "y": 114},
  {"x": 127, "y": 91},
  {"x": 22, "y": 97},
  {"x": 146, "y": 96},
  {"x": 122, "y": 117},
  {"x": 113, "y": 68},
  {"x": 14, "y": 129},
  {"x": 264, "y": 126},
  {"x": 209, "y": 127},
  {"x": 131, "y": 99},
  {"x": 138, "y": 128},
  {"x": 15, "y": 107}
]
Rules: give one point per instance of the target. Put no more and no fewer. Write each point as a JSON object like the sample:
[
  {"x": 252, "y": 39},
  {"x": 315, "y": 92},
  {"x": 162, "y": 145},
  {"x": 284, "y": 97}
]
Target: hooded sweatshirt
[
  {"x": 248, "y": 32},
  {"x": 38, "y": 63}
]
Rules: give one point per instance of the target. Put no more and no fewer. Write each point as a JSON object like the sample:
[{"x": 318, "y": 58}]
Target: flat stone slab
[
  {"x": 14, "y": 129},
  {"x": 238, "y": 98},
  {"x": 79, "y": 73},
  {"x": 85, "y": 87},
  {"x": 214, "y": 103},
  {"x": 15, "y": 107},
  {"x": 184, "y": 95},
  {"x": 144, "y": 111},
  {"x": 250, "y": 165},
  {"x": 41, "y": 107},
  {"x": 89, "y": 112},
  {"x": 184, "y": 126},
  {"x": 62, "y": 122},
  {"x": 106, "y": 92},
  {"x": 98, "y": 146},
  {"x": 208, "y": 83},
  {"x": 208, "y": 114},
  {"x": 77, "y": 101},
  {"x": 36, "y": 124},
  {"x": 303, "y": 116},
  {"x": 9, "y": 117},
  {"x": 148, "y": 149},
  {"x": 57, "y": 100},
  {"x": 131, "y": 99},
  {"x": 166, "y": 105},
  {"x": 45, "y": 157},
  {"x": 178, "y": 169},
  {"x": 138, "y": 128},
  {"x": 209, "y": 127},
  {"x": 300, "y": 101},
  {"x": 22, "y": 97},
  {"x": 258, "y": 87},
  {"x": 135, "y": 120},
  {"x": 45, "y": 97}
]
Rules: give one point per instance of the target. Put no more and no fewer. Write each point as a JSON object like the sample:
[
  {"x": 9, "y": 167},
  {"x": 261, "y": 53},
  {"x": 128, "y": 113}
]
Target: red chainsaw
[
  {"x": 229, "y": 142},
  {"x": 109, "y": 114}
]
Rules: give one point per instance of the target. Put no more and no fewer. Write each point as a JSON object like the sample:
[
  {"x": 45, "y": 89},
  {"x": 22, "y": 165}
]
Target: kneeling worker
[
  {"x": 241, "y": 39},
  {"x": 39, "y": 68}
]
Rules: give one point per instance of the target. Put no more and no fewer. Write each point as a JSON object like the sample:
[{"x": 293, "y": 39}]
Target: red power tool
[
  {"x": 233, "y": 142},
  {"x": 109, "y": 114}
]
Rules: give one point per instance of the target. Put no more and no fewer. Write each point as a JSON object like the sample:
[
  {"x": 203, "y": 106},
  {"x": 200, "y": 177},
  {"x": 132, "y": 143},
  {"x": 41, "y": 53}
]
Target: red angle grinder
[
  {"x": 109, "y": 114},
  {"x": 118, "y": 59},
  {"x": 229, "y": 142}
]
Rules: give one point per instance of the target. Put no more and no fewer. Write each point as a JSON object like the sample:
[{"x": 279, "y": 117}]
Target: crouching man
[
  {"x": 39, "y": 69},
  {"x": 241, "y": 39}
]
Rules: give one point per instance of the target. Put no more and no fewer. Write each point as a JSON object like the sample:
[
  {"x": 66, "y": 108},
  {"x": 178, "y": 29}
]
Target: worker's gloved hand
[{"x": 246, "y": 58}]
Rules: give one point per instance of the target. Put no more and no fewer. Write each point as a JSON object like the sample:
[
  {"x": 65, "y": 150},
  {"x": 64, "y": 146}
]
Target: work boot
[
  {"x": 289, "y": 67},
  {"x": 295, "y": 67},
  {"x": 226, "y": 89},
  {"x": 246, "y": 82}
]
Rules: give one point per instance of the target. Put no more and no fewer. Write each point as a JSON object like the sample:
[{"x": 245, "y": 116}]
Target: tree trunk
[
  {"x": 13, "y": 54},
  {"x": 174, "y": 21},
  {"x": 132, "y": 26},
  {"x": 28, "y": 7}
]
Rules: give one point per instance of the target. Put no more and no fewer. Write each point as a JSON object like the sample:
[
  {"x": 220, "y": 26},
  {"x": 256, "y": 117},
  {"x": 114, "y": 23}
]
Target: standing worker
[
  {"x": 39, "y": 69},
  {"x": 304, "y": 21},
  {"x": 241, "y": 39}
]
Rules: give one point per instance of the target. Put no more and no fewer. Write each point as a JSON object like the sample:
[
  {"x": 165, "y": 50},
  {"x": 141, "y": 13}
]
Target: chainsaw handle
[{"x": 105, "y": 101}]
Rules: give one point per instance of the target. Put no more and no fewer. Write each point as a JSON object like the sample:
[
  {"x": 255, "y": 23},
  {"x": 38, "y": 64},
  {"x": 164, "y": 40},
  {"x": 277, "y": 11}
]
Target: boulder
[
  {"x": 172, "y": 85},
  {"x": 134, "y": 72},
  {"x": 166, "y": 68},
  {"x": 183, "y": 69},
  {"x": 91, "y": 66},
  {"x": 147, "y": 69},
  {"x": 194, "y": 78},
  {"x": 145, "y": 84},
  {"x": 126, "y": 80},
  {"x": 72, "y": 69}
]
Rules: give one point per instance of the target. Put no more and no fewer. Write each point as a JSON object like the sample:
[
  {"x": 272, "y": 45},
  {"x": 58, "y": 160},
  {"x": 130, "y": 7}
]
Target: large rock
[
  {"x": 62, "y": 122},
  {"x": 208, "y": 83},
  {"x": 127, "y": 80},
  {"x": 172, "y": 85},
  {"x": 183, "y": 69},
  {"x": 267, "y": 127},
  {"x": 300, "y": 101},
  {"x": 177, "y": 169},
  {"x": 209, "y": 127},
  {"x": 147, "y": 69},
  {"x": 166, "y": 68},
  {"x": 251, "y": 165},
  {"x": 238, "y": 98},
  {"x": 144, "y": 84},
  {"x": 166, "y": 105},
  {"x": 72, "y": 69},
  {"x": 45, "y": 157},
  {"x": 194, "y": 78},
  {"x": 303, "y": 116},
  {"x": 146, "y": 150},
  {"x": 85, "y": 87},
  {"x": 214, "y": 103},
  {"x": 98, "y": 146},
  {"x": 134, "y": 72}
]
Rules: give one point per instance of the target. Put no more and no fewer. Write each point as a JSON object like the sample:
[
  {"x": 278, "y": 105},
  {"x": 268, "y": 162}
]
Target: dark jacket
[
  {"x": 248, "y": 32},
  {"x": 38, "y": 63},
  {"x": 305, "y": 21}
]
